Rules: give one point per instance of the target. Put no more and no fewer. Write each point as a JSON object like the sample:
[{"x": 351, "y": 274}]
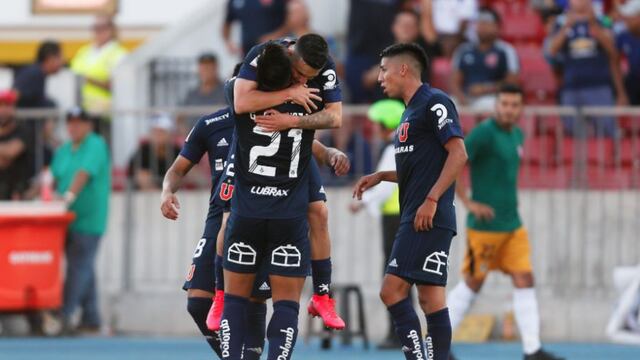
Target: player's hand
[
  {"x": 424, "y": 216},
  {"x": 366, "y": 182},
  {"x": 273, "y": 120},
  {"x": 355, "y": 207},
  {"x": 304, "y": 96},
  {"x": 170, "y": 206},
  {"x": 339, "y": 161},
  {"x": 481, "y": 211}
]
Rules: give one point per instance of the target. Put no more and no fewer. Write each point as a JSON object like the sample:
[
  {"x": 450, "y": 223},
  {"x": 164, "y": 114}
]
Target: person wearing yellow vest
[
  {"x": 95, "y": 63},
  {"x": 383, "y": 200}
]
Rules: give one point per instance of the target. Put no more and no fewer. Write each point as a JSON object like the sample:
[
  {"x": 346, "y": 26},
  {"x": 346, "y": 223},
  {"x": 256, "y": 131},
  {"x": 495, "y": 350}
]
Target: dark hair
[
  {"x": 207, "y": 57},
  {"x": 492, "y": 12},
  {"x": 313, "y": 49},
  {"x": 236, "y": 69},
  {"x": 46, "y": 49},
  {"x": 274, "y": 68},
  {"x": 510, "y": 88},
  {"x": 409, "y": 12},
  {"x": 412, "y": 49},
  {"x": 79, "y": 113}
]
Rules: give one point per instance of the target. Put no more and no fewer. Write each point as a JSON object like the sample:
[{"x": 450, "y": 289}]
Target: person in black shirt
[
  {"x": 260, "y": 21},
  {"x": 30, "y": 81},
  {"x": 153, "y": 158},
  {"x": 14, "y": 179}
]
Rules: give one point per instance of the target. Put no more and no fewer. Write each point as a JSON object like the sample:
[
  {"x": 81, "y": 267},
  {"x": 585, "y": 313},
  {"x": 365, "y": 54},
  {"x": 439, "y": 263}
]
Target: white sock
[
  {"x": 459, "y": 301},
  {"x": 525, "y": 307}
]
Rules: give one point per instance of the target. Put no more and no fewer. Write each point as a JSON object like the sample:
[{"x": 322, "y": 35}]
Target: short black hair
[
  {"x": 207, "y": 57},
  {"x": 490, "y": 11},
  {"x": 313, "y": 49},
  {"x": 46, "y": 49},
  {"x": 412, "y": 49},
  {"x": 79, "y": 113},
  {"x": 274, "y": 68},
  {"x": 510, "y": 88},
  {"x": 409, "y": 12},
  {"x": 236, "y": 69}
]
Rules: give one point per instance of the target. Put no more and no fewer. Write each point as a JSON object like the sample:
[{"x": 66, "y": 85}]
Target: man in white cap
[
  {"x": 154, "y": 157},
  {"x": 628, "y": 43}
]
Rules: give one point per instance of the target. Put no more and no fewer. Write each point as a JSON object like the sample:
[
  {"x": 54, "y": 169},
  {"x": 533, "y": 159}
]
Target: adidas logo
[
  {"x": 223, "y": 142},
  {"x": 322, "y": 190},
  {"x": 393, "y": 263},
  {"x": 265, "y": 287}
]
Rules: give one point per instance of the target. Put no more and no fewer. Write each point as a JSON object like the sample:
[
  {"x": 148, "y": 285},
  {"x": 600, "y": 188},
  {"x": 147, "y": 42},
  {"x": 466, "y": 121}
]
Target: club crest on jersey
[
  {"x": 403, "y": 132},
  {"x": 269, "y": 191},
  {"x": 192, "y": 270},
  {"x": 286, "y": 256},
  {"x": 436, "y": 263},
  {"x": 241, "y": 253},
  {"x": 226, "y": 191}
]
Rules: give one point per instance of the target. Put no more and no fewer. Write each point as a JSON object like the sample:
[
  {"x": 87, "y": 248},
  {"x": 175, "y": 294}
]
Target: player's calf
[
  {"x": 254, "y": 339},
  {"x": 283, "y": 330},
  {"x": 198, "y": 308}
]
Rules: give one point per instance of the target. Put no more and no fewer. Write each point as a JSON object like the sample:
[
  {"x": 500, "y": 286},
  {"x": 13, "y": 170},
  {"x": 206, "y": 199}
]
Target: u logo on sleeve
[
  {"x": 286, "y": 256},
  {"x": 403, "y": 132}
]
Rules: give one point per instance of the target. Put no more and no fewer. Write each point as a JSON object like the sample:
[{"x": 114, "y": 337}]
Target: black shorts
[
  {"x": 421, "y": 258},
  {"x": 201, "y": 273},
  {"x": 283, "y": 244}
]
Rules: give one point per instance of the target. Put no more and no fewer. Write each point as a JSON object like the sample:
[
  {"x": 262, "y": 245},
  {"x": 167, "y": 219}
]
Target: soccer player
[
  {"x": 310, "y": 63},
  {"x": 268, "y": 212},
  {"x": 496, "y": 238},
  {"x": 430, "y": 154}
]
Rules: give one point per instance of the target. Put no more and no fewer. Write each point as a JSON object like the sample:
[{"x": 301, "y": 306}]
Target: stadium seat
[
  {"x": 118, "y": 178},
  {"x": 607, "y": 178},
  {"x": 522, "y": 25},
  {"x": 538, "y": 150},
  {"x": 536, "y": 76},
  {"x": 629, "y": 152},
  {"x": 600, "y": 151},
  {"x": 441, "y": 73},
  {"x": 467, "y": 122},
  {"x": 544, "y": 177}
]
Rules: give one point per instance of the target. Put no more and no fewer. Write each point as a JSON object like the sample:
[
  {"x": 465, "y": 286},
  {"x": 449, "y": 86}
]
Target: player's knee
[
  {"x": 475, "y": 284},
  {"x": 318, "y": 215},
  {"x": 390, "y": 297},
  {"x": 522, "y": 280},
  {"x": 198, "y": 308}
]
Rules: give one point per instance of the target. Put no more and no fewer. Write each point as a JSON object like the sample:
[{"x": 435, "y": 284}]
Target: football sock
[
  {"x": 321, "y": 273},
  {"x": 198, "y": 307},
  {"x": 525, "y": 308},
  {"x": 408, "y": 329},
  {"x": 254, "y": 338},
  {"x": 283, "y": 330},
  {"x": 219, "y": 273},
  {"x": 438, "y": 341},
  {"x": 233, "y": 326},
  {"x": 459, "y": 301}
]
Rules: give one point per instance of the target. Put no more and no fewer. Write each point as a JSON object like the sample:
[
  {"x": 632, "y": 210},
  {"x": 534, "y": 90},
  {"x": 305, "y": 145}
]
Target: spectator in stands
[
  {"x": 260, "y": 20},
  {"x": 30, "y": 81},
  {"x": 14, "y": 167},
  {"x": 152, "y": 160},
  {"x": 479, "y": 68},
  {"x": 450, "y": 20},
  {"x": 82, "y": 174},
  {"x": 368, "y": 32},
  {"x": 590, "y": 66},
  {"x": 95, "y": 63},
  {"x": 628, "y": 43},
  {"x": 405, "y": 29},
  {"x": 210, "y": 89}
]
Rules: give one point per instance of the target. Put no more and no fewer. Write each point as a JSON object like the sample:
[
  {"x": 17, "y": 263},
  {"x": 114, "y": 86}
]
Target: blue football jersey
[
  {"x": 327, "y": 79},
  {"x": 428, "y": 122},
  {"x": 212, "y": 134}
]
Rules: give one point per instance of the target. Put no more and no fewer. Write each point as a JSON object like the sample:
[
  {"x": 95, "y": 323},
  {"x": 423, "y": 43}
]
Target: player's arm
[
  {"x": 329, "y": 156},
  {"x": 247, "y": 98},
  {"x": 457, "y": 77},
  {"x": 559, "y": 39},
  {"x": 456, "y": 158},
  {"x": 368, "y": 181},
  {"x": 605, "y": 39},
  {"x": 329, "y": 118},
  {"x": 170, "y": 185}
]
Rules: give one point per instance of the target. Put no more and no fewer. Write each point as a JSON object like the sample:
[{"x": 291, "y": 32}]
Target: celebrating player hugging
[{"x": 430, "y": 154}]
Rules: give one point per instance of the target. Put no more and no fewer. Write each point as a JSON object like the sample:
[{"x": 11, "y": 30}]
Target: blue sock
[
  {"x": 233, "y": 326},
  {"x": 198, "y": 308},
  {"x": 407, "y": 325},
  {"x": 283, "y": 329},
  {"x": 321, "y": 273},
  {"x": 219, "y": 273},
  {"x": 256, "y": 323},
  {"x": 438, "y": 341}
]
